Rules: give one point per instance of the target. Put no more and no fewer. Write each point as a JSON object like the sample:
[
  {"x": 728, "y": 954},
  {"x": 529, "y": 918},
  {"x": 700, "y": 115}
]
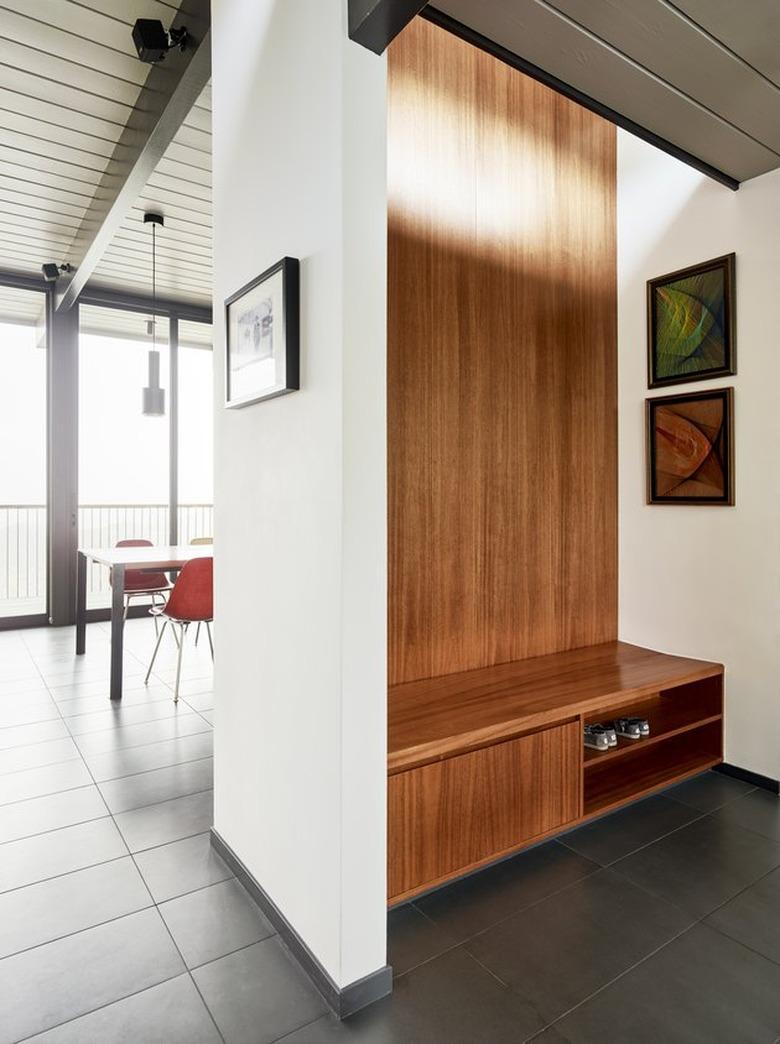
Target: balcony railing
[{"x": 23, "y": 543}]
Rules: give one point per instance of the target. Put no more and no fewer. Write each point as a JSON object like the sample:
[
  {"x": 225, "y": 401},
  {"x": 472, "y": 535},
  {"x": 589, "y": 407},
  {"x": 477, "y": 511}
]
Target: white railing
[{"x": 23, "y": 543}]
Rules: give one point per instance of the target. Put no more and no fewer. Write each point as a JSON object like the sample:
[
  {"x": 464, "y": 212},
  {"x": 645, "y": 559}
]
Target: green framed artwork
[{"x": 691, "y": 324}]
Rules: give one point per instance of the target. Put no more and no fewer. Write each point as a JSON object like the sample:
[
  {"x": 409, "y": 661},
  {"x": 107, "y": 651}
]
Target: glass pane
[
  {"x": 23, "y": 462},
  {"x": 196, "y": 431},
  {"x": 123, "y": 453}
]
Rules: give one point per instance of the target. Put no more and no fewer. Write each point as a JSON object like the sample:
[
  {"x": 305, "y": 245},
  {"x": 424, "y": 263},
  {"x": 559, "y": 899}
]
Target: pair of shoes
[
  {"x": 632, "y": 728},
  {"x": 600, "y": 737}
]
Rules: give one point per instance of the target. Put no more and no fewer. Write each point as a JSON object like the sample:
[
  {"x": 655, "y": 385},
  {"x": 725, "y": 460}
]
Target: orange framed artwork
[{"x": 690, "y": 448}]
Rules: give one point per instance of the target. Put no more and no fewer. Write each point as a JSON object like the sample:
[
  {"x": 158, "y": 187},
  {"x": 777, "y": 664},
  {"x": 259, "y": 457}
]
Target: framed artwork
[
  {"x": 691, "y": 324},
  {"x": 690, "y": 448},
  {"x": 262, "y": 357}
]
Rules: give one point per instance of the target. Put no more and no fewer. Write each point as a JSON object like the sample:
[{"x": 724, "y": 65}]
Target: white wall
[
  {"x": 300, "y": 745},
  {"x": 705, "y": 581}
]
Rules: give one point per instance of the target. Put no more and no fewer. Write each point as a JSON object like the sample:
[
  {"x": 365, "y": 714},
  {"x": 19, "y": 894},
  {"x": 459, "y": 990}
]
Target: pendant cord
[{"x": 154, "y": 287}]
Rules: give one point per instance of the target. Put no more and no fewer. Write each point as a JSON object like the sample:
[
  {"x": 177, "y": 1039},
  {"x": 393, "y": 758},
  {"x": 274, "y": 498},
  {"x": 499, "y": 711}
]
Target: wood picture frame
[
  {"x": 690, "y": 448},
  {"x": 262, "y": 336},
  {"x": 691, "y": 323}
]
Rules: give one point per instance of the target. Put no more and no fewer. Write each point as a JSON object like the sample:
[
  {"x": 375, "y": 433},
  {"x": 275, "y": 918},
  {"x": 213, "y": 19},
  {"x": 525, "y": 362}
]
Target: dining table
[{"x": 118, "y": 560}]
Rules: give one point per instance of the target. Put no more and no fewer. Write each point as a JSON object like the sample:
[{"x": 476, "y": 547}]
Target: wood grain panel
[
  {"x": 451, "y": 816},
  {"x": 501, "y": 364}
]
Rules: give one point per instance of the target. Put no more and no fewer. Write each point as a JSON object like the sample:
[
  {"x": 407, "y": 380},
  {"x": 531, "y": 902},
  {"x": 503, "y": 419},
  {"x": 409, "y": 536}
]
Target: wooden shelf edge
[
  {"x": 627, "y": 747},
  {"x": 674, "y": 777}
]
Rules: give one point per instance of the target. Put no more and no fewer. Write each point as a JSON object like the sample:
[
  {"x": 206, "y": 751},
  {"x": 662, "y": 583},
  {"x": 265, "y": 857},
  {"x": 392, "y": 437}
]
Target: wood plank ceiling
[
  {"x": 69, "y": 78},
  {"x": 702, "y": 74}
]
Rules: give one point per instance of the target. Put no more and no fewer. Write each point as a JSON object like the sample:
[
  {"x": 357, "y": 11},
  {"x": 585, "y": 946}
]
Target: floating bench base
[{"x": 486, "y": 762}]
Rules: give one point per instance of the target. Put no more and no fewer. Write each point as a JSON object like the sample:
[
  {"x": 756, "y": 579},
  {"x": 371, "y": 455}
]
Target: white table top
[{"x": 148, "y": 557}]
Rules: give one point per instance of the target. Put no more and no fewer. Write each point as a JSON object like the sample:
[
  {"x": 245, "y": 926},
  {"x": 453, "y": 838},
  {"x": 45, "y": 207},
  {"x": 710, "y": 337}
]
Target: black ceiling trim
[
  {"x": 376, "y": 23},
  {"x": 471, "y": 36}
]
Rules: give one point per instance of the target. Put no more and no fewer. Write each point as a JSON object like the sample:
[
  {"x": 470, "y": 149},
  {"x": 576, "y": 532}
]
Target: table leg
[
  {"x": 81, "y": 603},
  {"x": 117, "y": 628}
]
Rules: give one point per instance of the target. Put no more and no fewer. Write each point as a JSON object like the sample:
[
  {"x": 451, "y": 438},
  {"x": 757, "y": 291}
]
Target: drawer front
[{"x": 446, "y": 817}]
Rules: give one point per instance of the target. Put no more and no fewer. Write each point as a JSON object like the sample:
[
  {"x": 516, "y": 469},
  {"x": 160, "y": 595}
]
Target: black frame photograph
[
  {"x": 690, "y": 448},
  {"x": 262, "y": 336},
  {"x": 691, "y": 324}
]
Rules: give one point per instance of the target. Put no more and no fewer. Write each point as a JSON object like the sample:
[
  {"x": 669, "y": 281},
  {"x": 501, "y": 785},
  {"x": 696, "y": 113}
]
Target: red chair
[
  {"x": 190, "y": 601},
  {"x": 140, "y": 583}
]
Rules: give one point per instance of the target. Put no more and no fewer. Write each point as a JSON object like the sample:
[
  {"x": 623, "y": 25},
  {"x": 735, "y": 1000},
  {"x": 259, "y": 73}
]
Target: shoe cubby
[{"x": 651, "y": 766}]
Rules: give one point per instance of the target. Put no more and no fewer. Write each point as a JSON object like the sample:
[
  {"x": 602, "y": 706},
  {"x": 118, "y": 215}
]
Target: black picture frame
[
  {"x": 283, "y": 280},
  {"x": 726, "y": 265},
  {"x": 723, "y": 445}
]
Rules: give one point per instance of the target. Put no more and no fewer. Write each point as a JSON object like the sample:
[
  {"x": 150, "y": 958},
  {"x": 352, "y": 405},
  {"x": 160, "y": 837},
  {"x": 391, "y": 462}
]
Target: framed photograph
[
  {"x": 262, "y": 357},
  {"x": 690, "y": 448},
  {"x": 691, "y": 324}
]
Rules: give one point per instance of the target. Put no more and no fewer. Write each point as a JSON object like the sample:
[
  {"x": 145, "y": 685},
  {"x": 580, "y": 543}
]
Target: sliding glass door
[
  {"x": 124, "y": 452},
  {"x": 23, "y": 512}
]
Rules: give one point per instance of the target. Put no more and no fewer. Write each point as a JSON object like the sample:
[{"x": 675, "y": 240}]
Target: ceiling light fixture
[
  {"x": 154, "y": 395},
  {"x": 152, "y": 42}
]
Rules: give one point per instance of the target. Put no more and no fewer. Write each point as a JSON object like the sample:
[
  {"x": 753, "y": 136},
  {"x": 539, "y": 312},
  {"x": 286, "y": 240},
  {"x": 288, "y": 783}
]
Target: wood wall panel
[
  {"x": 501, "y": 363},
  {"x": 450, "y": 816}
]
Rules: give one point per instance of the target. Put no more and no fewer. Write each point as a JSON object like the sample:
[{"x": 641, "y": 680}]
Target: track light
[
  {"x": 51, "y": 272},
  {"x": 152, "y": 42}
]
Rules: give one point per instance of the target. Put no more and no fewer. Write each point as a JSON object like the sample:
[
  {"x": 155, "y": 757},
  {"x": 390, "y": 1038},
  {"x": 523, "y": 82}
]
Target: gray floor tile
[
  {"x": 623, "y": 832},
  {"x": 59, "y": 852},
  {"x": 412, "y": 939},
  {"x": 63, "y": 905},
  {"x": 149, "y": 788},
  {"x": 701, "y": 989},
  {"x": 201, "y": 701},
  {"x": 214, "y": 921},
  {"x": 753, "y": 917},
  {"x": 171, "y": 1013},
  {"x": 36, "y": 755},
  {"x": 449, "y": 1000},
  {"x": 181, "y": 867},
  {"x": 758, "y": 811},
  {"x": 258, "y": 994},
  {"x": 701, "y": 865},
  {"x": 27, "y": 713},
  {"x": 709, "y": 791},
  {"x": 39, "y": 732},
  {"x": 62, "y": 980},
  {"x": 49, "y": 779},
  {"x": 76, "y": 704},
  {"x": 116, "y": 717},
  {"x": 38, "y": 815},
  {"x": 208, "y": 715},
  {"x": 582, "y": 938},
  {"x": 169, "y": 821},
  {"x": 119, "y": 763},
  {"x": 474, "y": 903},
  {"x": 141, "y": 735}
]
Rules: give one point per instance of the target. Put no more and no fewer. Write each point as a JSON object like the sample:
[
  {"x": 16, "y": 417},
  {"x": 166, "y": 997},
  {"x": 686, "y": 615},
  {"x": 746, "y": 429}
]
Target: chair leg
[
  {"x": 154, "y": 616},
  {"x": 154, "y": 654},
  {"x": 178, "y": 663},
  {"x": 211, "y": 643},
  {"x": 127, "y": 609},
  {"x": 197, "y": 634}
]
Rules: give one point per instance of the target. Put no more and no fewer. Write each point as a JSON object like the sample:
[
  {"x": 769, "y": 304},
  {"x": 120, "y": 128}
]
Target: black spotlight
[
  {"x": 51, "y": 272},
  {"x": 152, "y": 42}
]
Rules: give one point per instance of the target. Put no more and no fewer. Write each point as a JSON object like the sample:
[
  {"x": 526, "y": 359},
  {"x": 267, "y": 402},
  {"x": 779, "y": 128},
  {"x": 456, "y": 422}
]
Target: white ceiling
[{"x": 69, "y": 79}]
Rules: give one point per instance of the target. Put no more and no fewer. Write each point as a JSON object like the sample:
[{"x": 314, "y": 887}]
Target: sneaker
[
  {"x": 643, "y": 723},
  {"x": 605, "y": 730},
  {"x": 595, "y": 740},
  {"x": 629, "y": 728}
]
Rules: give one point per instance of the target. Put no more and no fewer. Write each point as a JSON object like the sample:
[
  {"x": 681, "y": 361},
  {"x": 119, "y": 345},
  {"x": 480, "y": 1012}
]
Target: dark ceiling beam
[
  {"x": 171, "y": 89},
  {"x": 471, "y": 36},
  {"x": 376, "y": 23}
]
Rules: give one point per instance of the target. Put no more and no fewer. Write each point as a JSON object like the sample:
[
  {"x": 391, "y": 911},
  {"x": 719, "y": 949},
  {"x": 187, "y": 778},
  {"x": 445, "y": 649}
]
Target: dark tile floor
[{"x": 119, "y": 924}]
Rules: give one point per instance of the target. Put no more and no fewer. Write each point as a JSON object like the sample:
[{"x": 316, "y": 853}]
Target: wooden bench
[{"x": 485, "y": 762}]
